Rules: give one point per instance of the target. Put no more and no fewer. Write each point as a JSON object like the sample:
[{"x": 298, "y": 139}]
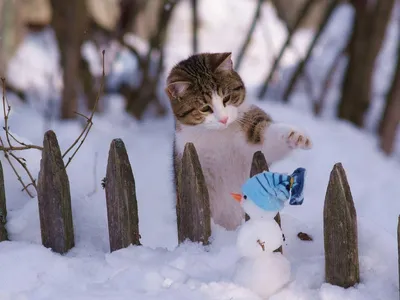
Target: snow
[
  {"x": 267, "y": 231},
  {"x": 260, "y": 269},
  {"x": 160, "y": 269},
  {"x": 265, "y": 275}
]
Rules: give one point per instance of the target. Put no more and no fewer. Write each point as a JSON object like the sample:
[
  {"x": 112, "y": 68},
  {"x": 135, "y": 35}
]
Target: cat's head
[{"x": 205, "y": 90}]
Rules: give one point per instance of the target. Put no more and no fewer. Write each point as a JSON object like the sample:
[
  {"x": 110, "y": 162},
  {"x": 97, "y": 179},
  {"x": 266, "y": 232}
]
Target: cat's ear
[
  {"x": 176, "y": 89},
  {"x": 223, "y": 61}
]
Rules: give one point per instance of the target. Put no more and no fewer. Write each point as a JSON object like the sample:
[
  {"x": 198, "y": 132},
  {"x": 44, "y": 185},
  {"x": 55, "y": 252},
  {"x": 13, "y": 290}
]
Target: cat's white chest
[
  {"x": 225, "y": 158},
  {"x": 220, "y": 150}
]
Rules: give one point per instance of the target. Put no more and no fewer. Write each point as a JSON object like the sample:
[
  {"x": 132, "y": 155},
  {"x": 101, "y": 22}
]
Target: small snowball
[
  {"x": 265, "y": 275},
  {"x": 153, "y": 281},
  {"x": 167, "y": 283},
  {"x": 267, "y": 232},
  {"x": 174, "y": 274}
]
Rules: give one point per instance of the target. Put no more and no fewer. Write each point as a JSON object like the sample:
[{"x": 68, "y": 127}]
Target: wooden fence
[{"x": 192, "y": 207}]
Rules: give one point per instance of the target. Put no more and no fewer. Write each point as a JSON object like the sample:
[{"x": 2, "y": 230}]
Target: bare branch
[
  {"x": 6, "y": 114},
  {"x": 7, "y": 150},
  {"x": 89, "y": 122},
  {"x": 25, "y": 187},
  {"x": 25, "y": 146},
  {"x": 319, "y": 104},
  {"x": 82, "y": 115},
  {"x": 247, "y": 40},
  {"x": 23, "y": 165},
  {"x": 302, "y": 14},
  {"x": 301, "y": 66}
]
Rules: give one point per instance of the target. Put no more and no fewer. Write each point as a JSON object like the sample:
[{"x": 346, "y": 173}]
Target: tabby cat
[{"x": 207, "y": 97}]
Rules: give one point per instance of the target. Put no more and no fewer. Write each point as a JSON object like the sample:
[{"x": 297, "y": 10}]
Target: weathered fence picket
[
  {"x": 193, "y": 203},
  {"x": 54, "y": 198},
  {"x": 259, "y": 164},
  {"x": 3, "y": 207},
  {"x": 340, "y": 232},
  {"x": 122, "y": 210}
]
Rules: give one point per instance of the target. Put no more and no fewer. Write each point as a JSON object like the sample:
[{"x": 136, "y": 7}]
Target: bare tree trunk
[
  {"x": 391, "y": 115},
  {"x": 195, "y": 25},
  {"x": 129, "y": 11},
  {"x": 368, "y": 33},
  {"x": 138, "y": 100},
  {"x": 11, "y": 31},
  {"x": 70, "y": 21}
]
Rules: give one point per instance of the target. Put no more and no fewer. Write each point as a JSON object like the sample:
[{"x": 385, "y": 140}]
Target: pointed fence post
[
  {"x": 54, "y": 198},
  {"x": 3, "y": 208},
  {"x": 193, "y": 203},
  {"x": 122, "y": 210},
  {"x": 258, "y": 165},
  {"x": 340, "y": 232}
]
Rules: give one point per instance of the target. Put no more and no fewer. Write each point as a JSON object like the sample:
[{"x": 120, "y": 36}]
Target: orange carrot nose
[{"x": 237, "y": 197}]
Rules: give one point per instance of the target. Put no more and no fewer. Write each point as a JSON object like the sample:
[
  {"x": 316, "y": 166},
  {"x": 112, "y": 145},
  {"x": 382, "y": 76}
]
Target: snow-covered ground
[{"x": 160, "y": 269}]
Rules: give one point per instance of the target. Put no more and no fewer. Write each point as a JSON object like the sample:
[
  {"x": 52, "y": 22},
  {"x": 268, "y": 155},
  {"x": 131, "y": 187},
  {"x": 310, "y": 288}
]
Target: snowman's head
[{"x": 251, "y": 208}]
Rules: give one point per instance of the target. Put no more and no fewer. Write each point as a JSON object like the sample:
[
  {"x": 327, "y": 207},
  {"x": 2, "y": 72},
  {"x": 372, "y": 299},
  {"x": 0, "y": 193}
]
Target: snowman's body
[{"x": 261, "y": 269}]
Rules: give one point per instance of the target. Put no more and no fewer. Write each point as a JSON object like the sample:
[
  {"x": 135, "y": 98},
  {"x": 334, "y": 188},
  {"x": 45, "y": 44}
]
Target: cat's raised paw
[{"x": 297, "y": 139}]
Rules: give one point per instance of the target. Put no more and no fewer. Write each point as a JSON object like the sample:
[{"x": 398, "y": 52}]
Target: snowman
[{"x": 260, "y": 269}]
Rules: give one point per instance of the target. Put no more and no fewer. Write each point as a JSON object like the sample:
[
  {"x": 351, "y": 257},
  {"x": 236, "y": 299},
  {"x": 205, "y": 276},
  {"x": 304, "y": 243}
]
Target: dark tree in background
[
  {"x": 391, "y": 114},
  {"x": 70, "y": 22},
  {"x": 151, "y": 69},
  {"x": 195, "y": 25},
  {"x": 370, "y": 23}
]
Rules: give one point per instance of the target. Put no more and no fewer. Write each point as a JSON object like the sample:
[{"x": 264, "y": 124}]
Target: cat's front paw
[{"x": 297, "y": 139}]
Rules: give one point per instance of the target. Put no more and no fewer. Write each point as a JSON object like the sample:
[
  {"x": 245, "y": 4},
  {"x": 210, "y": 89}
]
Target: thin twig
[
  {"x": 6, "y": 114},
  {"x": 319, "y": 104},
  {"x": 6, "y": 127},
  {"x": 80, "y": 144},
  {"x": 262, "y": 244},
  {"x": 247, "y": 40},
  {"x": 18, "y": 148},
  {"x": 25, "y": 187},
  {"x": 18, "y": 159},
  {"x": 7, "y": 150},
  {"x": 82, "y": 115},
  {"x": 89, "y": 122},
  {"x": 23, "y": 145}
]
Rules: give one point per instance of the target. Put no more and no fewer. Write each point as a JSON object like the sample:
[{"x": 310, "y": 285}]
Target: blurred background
[{"x": 336, "y": 59}]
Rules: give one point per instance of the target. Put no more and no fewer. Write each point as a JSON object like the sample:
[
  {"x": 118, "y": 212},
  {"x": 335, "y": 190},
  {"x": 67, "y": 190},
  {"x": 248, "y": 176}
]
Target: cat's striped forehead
[{"x": 198, "y": 81}]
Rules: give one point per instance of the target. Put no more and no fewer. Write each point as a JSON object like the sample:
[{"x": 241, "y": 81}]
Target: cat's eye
[
  {"x": 238, "y": 88},
  {"x": 206, "y": 109},
  {"x": 226, "y": 100}
]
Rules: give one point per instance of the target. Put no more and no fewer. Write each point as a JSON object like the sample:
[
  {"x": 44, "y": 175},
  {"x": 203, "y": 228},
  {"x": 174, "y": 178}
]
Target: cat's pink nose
[{"x": 223, "y": 120}]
